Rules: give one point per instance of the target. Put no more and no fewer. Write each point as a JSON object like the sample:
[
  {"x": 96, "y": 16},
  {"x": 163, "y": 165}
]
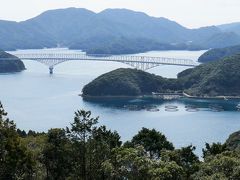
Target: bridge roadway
[{"x": 139, "y": 62}]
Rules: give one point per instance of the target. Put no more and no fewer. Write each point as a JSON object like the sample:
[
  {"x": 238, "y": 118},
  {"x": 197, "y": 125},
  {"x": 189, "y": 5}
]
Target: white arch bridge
[{"x": 139, "y": 62}]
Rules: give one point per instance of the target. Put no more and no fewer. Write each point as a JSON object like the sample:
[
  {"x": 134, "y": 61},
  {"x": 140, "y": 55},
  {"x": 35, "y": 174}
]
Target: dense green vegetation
[
  {"x": 220, "y": 53},
  {"x": 114, "y": 31},
  {"x": 127, "y": 82},
  {"x": 220, "y": 78},
  {"x": 86, "y": 150},
  {"x": 7, "y": 66}
]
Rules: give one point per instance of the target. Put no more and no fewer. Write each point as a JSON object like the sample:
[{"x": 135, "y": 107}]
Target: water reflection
[{"x": 155, "y": 105}]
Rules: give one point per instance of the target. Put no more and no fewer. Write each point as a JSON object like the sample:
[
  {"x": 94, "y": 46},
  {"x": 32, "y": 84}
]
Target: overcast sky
[{"x": 190, "y": 13}]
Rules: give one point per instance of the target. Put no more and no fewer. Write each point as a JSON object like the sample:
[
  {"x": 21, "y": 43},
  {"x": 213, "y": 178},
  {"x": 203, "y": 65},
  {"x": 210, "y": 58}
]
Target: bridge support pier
[{"x": 51, "y": 70}]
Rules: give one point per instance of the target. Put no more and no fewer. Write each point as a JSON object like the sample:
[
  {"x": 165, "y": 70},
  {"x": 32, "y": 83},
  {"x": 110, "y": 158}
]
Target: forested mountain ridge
[
  {"x": 110, "y": 31},
  {"x": 231, "y": 27}
]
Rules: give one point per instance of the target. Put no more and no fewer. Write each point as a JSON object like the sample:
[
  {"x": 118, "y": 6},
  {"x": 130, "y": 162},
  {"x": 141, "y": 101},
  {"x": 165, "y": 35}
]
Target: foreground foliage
[{"x": 88, "y": 151}]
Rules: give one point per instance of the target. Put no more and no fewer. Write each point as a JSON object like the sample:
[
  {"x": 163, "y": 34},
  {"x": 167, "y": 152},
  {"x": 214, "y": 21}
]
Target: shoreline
[
  {"x": 185, "y": 95},
  {"x": 110, "y": 97},
  {"x": 211, "y": 98}
]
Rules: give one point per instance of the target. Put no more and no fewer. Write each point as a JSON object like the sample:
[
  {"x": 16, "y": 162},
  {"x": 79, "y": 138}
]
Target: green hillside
[
  {"x": 128, "y": 82},
  {"x": 220, "y": 78},
  {"x": 219, "y": 53},
  {"x": 213, "y": 79}
]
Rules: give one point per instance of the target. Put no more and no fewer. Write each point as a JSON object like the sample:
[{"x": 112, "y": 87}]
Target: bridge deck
[{"x": 140, "y": 62}]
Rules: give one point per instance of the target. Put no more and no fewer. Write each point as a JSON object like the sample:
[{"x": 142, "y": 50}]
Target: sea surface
[{"x": 39, "y": 101}]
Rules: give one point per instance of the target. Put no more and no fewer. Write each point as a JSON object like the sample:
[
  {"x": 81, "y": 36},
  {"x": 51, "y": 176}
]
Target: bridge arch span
[{"x": 139, "y": 62}]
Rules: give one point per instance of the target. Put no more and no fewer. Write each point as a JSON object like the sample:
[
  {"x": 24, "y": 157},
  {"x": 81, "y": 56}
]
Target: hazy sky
[{"x": 190, "y": 13}]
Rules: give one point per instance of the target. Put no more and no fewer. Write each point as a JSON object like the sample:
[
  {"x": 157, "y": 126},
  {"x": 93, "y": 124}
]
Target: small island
[
  {"x": 219, "y": 79},
  {"x": 10, "y": 66},
  {"x": 128, "y": 82}
]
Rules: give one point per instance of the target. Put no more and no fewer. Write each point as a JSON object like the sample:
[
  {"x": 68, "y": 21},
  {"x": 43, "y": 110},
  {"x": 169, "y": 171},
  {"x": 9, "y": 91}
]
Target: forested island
[
  {"x": 219, "y": 53},
  {"x": 219, "y": 78},
  {"x": 9, "y": 66},
  {"x": 86, "y": 150},
  {"x": 128, "y": 82}
]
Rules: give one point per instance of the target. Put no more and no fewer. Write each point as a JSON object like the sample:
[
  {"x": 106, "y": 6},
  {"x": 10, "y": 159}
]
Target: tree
[
  {"x": 152, "y": 141},
  {"x": 21, "y": 133},
  {"x": 15, "y": 160},
  {"x": 184, "y": 157},
  {"x": 224, "y": 166},
  {"x": 80, "y": 132},
  {"x": 128, "y": 163},
  {"x": 161, "y": 170},
  {"x": 214, "y": 149},
  {"x": 134, "y": 163},
  {"x": 57, "y": 155},
  {"x": 99, "y": 148},
  {"x": 35, "y": 145}
]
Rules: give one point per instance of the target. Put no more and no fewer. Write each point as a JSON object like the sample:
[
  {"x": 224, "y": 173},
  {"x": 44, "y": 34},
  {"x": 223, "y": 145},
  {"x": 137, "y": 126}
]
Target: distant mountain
[
  {"x": 219, "y": 53},
  {"x": 203, "y": 34},
  {"x": 137, "y": 24},
  {"x": 18, "y": 36},
  {"x": 221, "y": 40},
  {"x": 110, "y": 31},
  {"x": 232, "y": 27},
  {"x": 63, "y": 25}
]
